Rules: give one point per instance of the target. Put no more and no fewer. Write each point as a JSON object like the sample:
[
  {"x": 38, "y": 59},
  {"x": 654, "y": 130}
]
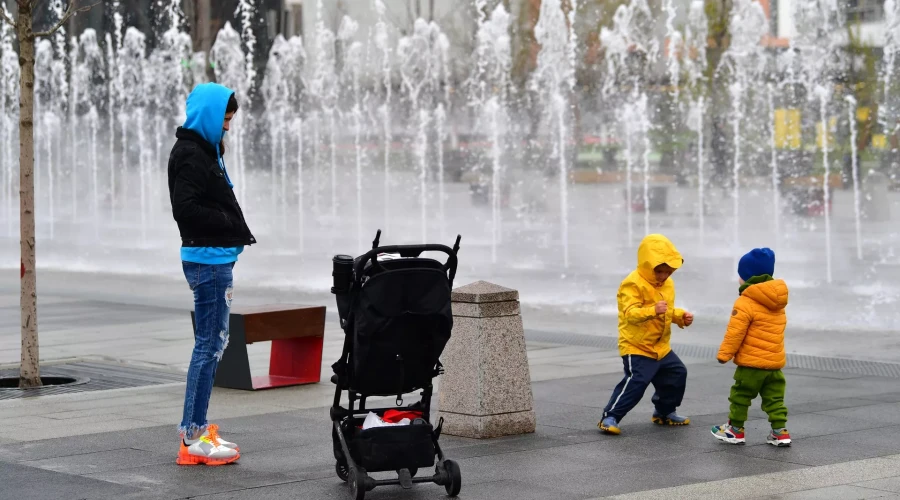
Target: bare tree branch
[
  {"x": 4, "y": 15},
  {"x": 71, "y": 11}
]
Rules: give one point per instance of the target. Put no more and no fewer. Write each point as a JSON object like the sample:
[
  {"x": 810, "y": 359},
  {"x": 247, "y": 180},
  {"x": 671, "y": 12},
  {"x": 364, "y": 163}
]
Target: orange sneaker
[{"x": 206, "y": 451}]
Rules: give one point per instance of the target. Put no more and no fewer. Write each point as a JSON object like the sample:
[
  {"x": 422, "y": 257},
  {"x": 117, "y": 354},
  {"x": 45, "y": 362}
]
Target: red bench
[{"x": 296, "y": 332}]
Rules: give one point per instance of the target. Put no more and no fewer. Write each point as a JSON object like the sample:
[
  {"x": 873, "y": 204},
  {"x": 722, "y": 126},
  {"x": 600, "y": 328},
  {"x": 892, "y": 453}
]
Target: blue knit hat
[{"x": 757, "y": 262}]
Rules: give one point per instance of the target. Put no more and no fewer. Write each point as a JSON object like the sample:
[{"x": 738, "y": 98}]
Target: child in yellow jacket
[
  {"x": 755, "y": 339},
  {"x": 646, "y": 312}
]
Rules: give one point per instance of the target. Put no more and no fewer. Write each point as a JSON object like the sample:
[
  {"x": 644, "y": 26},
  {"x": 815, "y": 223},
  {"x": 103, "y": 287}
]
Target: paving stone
[
  {"x": 87, "y": 463},
  {"x": 613, "y": 478},
  {"x": 844, "y": 492},
  {"x": 830, "y": 449},
  {"x": 886, "y": 484},
  {"x": 21, "y": 482},
  {"x": 829, "y": 404},
  {"x": 887, "y": 413}
]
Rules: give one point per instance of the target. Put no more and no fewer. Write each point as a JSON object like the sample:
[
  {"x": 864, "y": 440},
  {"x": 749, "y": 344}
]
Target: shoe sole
[
  {"x": 728, "y": 439},
  {"x": 668, "y": 422},
  {"x": 780, "y": 444},
  {"x": 615, "y": 431},
  {"x": 194, "y": 460}
]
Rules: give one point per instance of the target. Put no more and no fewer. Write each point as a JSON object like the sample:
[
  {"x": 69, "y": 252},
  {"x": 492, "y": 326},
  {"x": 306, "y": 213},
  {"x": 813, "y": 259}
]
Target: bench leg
[
  {"x": 293, "y": 362},
  {"x": 233, "y": 371}
]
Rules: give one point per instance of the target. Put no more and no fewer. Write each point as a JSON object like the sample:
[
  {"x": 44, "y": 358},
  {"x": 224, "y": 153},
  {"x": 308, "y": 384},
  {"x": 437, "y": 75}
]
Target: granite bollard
[{"x": 485, "y": 391}]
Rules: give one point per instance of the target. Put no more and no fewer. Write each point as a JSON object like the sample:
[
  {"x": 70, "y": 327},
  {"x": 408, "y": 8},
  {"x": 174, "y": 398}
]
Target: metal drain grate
[
  {"x": 93, "y": 376},
  {"x": 820, "y": 363}
]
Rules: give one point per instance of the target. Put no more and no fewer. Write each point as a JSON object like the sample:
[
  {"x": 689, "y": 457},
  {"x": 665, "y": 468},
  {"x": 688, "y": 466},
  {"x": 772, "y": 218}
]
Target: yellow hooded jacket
[{"x": 641, "y": 331}]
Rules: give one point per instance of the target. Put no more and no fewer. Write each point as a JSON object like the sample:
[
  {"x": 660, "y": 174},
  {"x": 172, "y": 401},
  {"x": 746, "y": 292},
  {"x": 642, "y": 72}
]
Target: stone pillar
[{"x": 485, "y": 391}]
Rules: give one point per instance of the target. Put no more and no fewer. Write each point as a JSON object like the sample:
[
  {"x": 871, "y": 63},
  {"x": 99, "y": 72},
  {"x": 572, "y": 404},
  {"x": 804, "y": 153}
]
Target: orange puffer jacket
[{"x": 755, "y": 334}]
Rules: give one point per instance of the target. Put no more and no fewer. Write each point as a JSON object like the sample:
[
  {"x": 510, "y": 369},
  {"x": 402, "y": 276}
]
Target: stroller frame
[{"x": 447, "y": 472}]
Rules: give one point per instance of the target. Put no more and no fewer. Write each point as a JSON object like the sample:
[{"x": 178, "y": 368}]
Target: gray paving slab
[
  {"x": 831, "y": 449},
  {"x": 777, "y": 483},
  {"x": 885, "y": 397},
  {"x": 885, "y": 413},
  {"x": 843, "y": 492},
  {"x": 101, "y": 461},
  {"x": 612, "y": 478},
  {"x": 806, "y": 425},
  {"x": 830, "y": 404},
  {"x": 21, "y": 482},
  {"x": 886, "y": 484}
]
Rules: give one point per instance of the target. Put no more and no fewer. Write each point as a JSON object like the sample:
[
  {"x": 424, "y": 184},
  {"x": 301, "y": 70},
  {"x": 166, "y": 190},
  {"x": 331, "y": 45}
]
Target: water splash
[
  {"x": 630, "y": 49},
  {"x": 324, "y": 89},
  {"x": 776, "y": 181},
  {"x": 744, "y": 61},
  {"x": 227, "y": 57},
  {"x": 854, "y": 158},
  {"x": 275, "y": 94},
  {"x": 824, "y": 95},
  {"x": 422, "y": 57},
  {"x": 698, "y": 111},
  {"x": 383, "y": 45},
  {"x": 554, "y": 80},
  {"x": 889, "y": 112},
  {"x": 488, "y": 95},
  {"x": 9, "y": 92}
]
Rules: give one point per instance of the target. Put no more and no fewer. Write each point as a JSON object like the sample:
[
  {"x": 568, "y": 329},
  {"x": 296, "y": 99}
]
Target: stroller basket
[
  {"x": 390, "y": 448},
  {"x": 394, "y": 308}
]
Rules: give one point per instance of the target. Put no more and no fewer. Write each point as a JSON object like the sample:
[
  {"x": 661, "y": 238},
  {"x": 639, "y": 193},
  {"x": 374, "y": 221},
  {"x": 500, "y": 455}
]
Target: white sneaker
[{"x": 212, "y": 432}]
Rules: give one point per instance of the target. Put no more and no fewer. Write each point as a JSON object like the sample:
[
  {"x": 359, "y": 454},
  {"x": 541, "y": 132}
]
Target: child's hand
[
  {"x": 661, "y": 307},
  {"x": 688, "y": 318}
]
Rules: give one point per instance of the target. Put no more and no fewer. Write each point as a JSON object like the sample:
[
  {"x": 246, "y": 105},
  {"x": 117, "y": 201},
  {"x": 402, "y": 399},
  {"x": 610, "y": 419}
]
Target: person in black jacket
[{"x": 213, "y": 234}]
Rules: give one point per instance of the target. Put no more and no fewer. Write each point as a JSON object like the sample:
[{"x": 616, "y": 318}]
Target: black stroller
[{"x": 397, "y": 319}]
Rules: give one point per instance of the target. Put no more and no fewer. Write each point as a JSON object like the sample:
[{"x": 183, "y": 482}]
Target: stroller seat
[{"x": 394, "y": 308}]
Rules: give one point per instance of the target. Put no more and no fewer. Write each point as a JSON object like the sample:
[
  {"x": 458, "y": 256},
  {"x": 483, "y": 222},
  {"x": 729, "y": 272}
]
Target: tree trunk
[
  {"x": 30, "y": 370},
  {"x": 203, "y": 29}
]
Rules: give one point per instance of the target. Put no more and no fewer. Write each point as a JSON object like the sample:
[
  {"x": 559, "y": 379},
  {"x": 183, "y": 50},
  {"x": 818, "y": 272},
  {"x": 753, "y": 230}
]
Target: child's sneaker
[
  {"x": 670, "y": 419},
  {"x": 212, "y": 431},
  {"x": 206, "y": 450},
  {"x": 728, "y": 433},
  {"x": 779, "y": 438},
  {"x": 609, "y": 426}
]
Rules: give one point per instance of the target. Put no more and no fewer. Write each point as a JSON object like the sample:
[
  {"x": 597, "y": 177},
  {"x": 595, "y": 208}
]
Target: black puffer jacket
[{"x": 203, "y": 204}]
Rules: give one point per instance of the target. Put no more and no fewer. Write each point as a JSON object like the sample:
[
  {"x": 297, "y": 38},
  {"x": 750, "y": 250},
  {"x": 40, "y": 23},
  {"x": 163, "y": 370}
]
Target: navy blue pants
[{"x": 668, "y": 376}]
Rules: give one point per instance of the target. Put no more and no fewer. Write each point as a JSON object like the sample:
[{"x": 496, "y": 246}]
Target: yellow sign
[
  {"x": 787, "y": 128},
  {"x": 832, "y": 124},
  {"x": 879, "y": 141},
  {"x": 862, "y": 114}
]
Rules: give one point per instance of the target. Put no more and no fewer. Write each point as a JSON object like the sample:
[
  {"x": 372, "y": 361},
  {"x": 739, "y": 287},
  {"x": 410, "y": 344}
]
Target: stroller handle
[{"x": 410, "y": 251}]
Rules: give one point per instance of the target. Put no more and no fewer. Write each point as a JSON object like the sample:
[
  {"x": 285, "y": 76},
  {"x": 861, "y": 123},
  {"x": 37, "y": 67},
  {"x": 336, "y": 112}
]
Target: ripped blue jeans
[{"x": 212, "y": 286}]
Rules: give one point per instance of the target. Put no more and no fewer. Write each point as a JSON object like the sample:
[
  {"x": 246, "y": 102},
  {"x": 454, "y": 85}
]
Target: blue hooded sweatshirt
[{"x": 205, "y": 115}]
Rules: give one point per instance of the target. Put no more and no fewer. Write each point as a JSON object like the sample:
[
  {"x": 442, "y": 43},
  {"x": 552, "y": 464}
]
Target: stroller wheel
[
  {"x": 342, "y": 470},
  {"x": 357, "y": 484},
  {"x": 454, "y": 476}
]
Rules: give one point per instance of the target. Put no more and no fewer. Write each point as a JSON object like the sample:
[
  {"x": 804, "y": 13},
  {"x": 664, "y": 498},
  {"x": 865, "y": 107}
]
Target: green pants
[{"x": 770, "y": 384}]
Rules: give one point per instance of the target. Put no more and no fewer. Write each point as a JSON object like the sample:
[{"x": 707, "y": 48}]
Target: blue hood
[{"x": 206, "y": 111}]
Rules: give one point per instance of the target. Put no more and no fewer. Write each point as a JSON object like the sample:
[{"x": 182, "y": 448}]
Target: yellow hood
[{"x": 656, "y": 249}]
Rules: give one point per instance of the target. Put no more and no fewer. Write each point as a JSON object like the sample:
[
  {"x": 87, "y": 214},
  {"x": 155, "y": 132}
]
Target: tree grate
[{"x": 91, "y": 376}]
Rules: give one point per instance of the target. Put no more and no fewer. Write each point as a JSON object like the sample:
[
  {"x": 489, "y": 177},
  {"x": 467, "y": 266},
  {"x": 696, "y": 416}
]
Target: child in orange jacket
[{"x": 755, "y": 340}]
